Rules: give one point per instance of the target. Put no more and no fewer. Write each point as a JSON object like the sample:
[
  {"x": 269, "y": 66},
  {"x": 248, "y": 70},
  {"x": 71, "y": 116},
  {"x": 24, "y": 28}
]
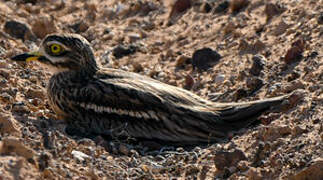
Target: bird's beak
[{"x": 32, "y": 56}]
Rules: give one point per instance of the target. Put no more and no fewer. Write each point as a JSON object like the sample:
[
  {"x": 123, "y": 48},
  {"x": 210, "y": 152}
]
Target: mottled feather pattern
[
  {"x": 117, "y": 103},
  {"x": 114, "y": 97}
]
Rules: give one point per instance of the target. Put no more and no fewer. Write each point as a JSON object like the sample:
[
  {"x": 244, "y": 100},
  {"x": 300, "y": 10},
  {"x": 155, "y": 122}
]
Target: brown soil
[{"x": 286, "y": 35}]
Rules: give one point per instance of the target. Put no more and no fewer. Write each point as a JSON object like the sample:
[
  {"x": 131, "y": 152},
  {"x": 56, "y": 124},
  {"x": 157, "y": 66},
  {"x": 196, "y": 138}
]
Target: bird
[{"x": 111, "y": 102}]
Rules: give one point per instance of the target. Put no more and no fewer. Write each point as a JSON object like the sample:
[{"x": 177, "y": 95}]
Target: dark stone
[
  {"x": 237, "y": 5},
  {"x": 272, "y": 10},
  {"x": 181, "y": 6},
  {"x": 260, "y": 29},
  {"x": 20, "y": 108},
  {"x": 254, "y": 84},
  {"x": 30, "y": 1},
  {"x": 18, "y": 30},
  {"x": 294, "y": 75},
  {"x": 189, "y": 82},
  {"x": 257, "y": 65},
  {"x": 228, "y": 159},
  {"x": 146, "y": 8},
  {"x": 320, "y": 19},
  {"x": 48, "y": 139},
  {"x": 295, "y": 53},
  {"x": 239, "y": 94},
  {"x": 222, "y": 7},
  {"x": 261, "y": 153},
  {"x": 205, "y": 58},
  {"x": 313, "y": 54},
  {"x": 107, "y": 31},
  {"x": 206, "y": 7},
  {"x": 3, "y": 83},
  {"x": 79, "y": 26},
  {"x": 5, "y": 73},
  {"x": 121, "y": 51},
  {"x": 43, "y": 161}
]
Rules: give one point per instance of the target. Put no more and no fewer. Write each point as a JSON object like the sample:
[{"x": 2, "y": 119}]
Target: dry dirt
[{"x": 267, "y": 48}]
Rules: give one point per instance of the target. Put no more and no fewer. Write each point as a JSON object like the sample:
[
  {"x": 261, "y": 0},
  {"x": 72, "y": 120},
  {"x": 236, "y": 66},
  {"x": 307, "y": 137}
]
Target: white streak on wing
[
  {"x": 94, "y": 107},
  {"x": 127, "y": 112},
  {"x": 119, "y": 111},
  {"x": 83, "y": 105},
  {"x": 138, "y": 114},
  {"x": 161, "y": 115},
  {"x": 101, "y": 109},
  {"x": 145, "y": 115},
  {"x": 153, "y": 115},
  {"x": 122, "y": 112},
  {"x": 107, "y": 109},
  {"x": 110, "y": 110},
  {"x": 131, "y": 113}
]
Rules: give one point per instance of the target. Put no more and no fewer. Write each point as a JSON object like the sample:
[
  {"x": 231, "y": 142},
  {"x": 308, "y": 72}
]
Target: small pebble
[
  {"x": 295, "y": 52},
  {"x": 239, "y": 94},
  {"x": 20, "y": 108},
  {"x": 205, "y": 7},
  {"x": 80, "y": 26},
  {"x": 272, "y": 10},
  {"x": 257, "y": 65},
  {"x": 204, "y": 58},
  {"x": 80, "y": 156},
  {"x": 181, "y": 61},
  {"x": 320, "y": 18},
  {"x": 121, "y": 51},
  {"x": 254, "y": 84},
  {"x": 219, "y": 78},
  {"x": 238, "y": 5},
  {"x": 180, "y": 6},
  {"x": 222, "y": 7},
  {"x": 189, "y": 82}
]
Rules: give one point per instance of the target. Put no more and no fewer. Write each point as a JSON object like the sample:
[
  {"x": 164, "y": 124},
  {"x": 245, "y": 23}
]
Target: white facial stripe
[
  {"x": 42, "y": 50},
  {"x": 138, "y": 114},
  {"x": 56, "y": 42}
]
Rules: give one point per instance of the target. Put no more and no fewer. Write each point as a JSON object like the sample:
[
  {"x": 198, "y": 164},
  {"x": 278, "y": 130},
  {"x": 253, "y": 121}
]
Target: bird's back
[{"x": 115, "y": 101}]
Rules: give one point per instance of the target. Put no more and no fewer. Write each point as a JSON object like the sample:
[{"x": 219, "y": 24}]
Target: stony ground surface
[{"x": 267, "y": 48}]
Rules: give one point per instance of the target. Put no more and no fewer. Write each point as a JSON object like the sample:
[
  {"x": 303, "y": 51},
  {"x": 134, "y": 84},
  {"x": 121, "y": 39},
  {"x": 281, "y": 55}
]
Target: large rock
[
  {"x": 44, "y": 25},
  {"x": 313, "y": 171},
  {"x": 19, "y": 30}
]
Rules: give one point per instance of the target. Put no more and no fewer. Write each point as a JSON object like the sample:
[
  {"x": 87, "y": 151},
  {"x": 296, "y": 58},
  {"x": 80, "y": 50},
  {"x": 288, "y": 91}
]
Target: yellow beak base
[{"x": 33, "y": 56}]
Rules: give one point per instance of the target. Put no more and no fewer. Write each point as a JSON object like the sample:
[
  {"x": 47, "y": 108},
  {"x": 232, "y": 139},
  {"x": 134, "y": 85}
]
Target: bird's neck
[
  {"x": 75, "y": 75},
  {"x": 91, "y": 68}
]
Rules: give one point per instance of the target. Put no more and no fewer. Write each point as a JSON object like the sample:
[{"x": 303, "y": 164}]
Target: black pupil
[{"x": 55, "y": 48}]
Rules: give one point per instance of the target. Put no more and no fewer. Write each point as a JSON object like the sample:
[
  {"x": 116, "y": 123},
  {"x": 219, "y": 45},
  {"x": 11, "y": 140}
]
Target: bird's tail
[{"x": 239, "y": 115}]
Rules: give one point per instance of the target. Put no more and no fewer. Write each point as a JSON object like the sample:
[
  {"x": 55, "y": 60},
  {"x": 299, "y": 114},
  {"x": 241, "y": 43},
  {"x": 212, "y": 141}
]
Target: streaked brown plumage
[{"x": 119, "y": 103}]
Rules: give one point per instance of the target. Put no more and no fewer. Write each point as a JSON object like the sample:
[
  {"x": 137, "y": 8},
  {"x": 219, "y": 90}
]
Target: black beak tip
[{"x": 21, "y": 57}]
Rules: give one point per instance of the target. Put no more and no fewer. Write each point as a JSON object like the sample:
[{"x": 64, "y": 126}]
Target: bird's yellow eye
[{"x": 56, "y": 48}]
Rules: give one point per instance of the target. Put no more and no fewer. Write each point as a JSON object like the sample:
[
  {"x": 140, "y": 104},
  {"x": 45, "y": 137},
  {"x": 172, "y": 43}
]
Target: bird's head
[{"x": 63, "y": 52}]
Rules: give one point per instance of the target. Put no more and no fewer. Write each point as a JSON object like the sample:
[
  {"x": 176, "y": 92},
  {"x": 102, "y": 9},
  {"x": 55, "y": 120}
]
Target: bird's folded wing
[
  {"x": 140, "y": 97},
  {"x": 145, "y": 100}
]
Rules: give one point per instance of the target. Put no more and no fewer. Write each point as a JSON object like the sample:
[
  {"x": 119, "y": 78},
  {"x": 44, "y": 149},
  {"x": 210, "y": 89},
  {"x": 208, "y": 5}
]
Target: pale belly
[{"x": 58, "y": 111}]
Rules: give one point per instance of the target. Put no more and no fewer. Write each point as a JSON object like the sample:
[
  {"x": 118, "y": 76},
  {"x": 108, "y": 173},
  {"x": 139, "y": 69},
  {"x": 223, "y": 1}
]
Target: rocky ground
[{"x": 225, "y": 51}]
